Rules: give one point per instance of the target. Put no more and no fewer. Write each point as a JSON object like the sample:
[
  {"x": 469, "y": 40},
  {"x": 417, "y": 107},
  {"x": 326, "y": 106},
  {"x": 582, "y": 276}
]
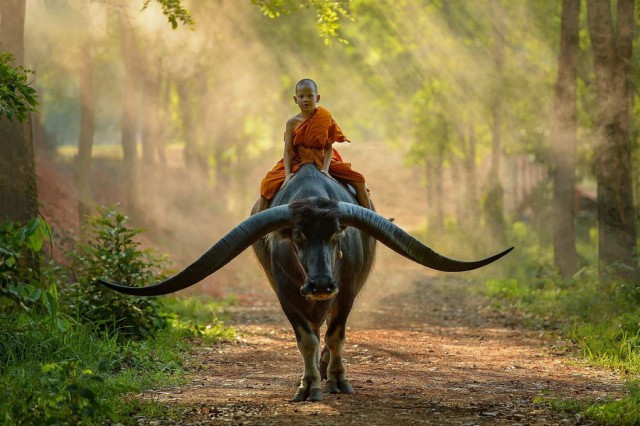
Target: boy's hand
[{"x": 286, "y": 180}]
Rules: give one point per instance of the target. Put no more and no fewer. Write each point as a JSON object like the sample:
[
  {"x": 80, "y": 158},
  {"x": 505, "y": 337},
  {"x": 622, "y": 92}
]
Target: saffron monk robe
[{"x": 312, "y": 141}]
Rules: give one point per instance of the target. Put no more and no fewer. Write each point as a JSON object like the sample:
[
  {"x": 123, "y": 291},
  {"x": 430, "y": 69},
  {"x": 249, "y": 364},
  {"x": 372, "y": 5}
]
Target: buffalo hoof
[
  {"x": 336, "y": 385},
  {"x": 306, "y": 394}
]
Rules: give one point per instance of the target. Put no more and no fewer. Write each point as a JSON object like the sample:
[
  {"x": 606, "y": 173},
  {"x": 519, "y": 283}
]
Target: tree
[
  {"x": 129, "y": 121},
  {"x": 18, "y": 191},
  {"x": 564, "y": 142},
  {"x": 85, "y": 139},
  {"x": 612, "y": 51},
  {"x": 493, "y": 205}
]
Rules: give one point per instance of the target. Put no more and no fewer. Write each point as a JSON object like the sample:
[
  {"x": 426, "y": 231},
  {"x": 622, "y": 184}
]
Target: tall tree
[
  {"x": 564, "y": 142},
  {"x": 85, "y": 139},
  {"x": 18, "y": 191},
  {"x": 129, "y": 121},
  {"x": 493, "y": 205},
  {"x": 468, "y": 144},
  {"x": 152, "y": 152},
  {"x": 496, "y": 103},
  {"x": 612, "y": 48}
]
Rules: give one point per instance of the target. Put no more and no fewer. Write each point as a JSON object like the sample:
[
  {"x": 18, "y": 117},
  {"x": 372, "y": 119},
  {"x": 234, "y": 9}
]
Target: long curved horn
[
  {"x": 221, "y": 253},
  {"x": 398, "y": 240}
]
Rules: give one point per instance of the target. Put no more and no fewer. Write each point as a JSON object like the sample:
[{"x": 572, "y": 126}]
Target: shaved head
[{"x": 307, "y": 82}]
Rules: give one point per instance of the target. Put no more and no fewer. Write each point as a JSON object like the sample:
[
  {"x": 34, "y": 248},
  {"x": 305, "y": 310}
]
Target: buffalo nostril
[
  {"x": 315, "y": 290},
  {"x": 330, "y": 289}
]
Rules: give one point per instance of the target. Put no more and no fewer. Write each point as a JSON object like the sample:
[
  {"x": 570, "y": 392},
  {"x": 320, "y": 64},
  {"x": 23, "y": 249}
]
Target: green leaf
[
  {"x": 16, "y": 97},
  {"x": 87, "y": 393},
  {"x": 34, "y": 294},
  {"x": 50, "y": 302},
  {"x": 51, "y": 367},
  {"x": 62, "y": 324}
]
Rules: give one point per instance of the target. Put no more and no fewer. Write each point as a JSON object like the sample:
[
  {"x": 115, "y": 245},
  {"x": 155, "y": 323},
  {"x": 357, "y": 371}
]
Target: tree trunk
[
  {"x": 493, "y": 207},
  {"x": 190, "y": 92},
  {"x": 18, "y": 191},
  {"x": 498, "y": 56},
  {"x": 129, "y": 121},
  {"x": 151, "y": 102},
  {"x": 434, "y": 194},
  {"x": 564, "y": 142},
  {"x": 85, "y": 140},
  {"x": 164, "y": 95},
  {"x": 188, "y": 133},
  {"x": 612, "y": 64},
  {"x": 471, "y": 205},
  {"x": 456, "y": 165}
]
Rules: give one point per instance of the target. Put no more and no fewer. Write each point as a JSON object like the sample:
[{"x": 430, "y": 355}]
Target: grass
[
  {"x": 74, "y": 356},
  {"x": 83, "y": 377},
  {"x": 625, "y": 411}
]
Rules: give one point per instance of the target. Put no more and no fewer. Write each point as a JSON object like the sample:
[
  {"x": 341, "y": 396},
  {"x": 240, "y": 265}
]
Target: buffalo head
[
  {"x": 315, "y": 236},
  {"x": 315, "y": 226}
]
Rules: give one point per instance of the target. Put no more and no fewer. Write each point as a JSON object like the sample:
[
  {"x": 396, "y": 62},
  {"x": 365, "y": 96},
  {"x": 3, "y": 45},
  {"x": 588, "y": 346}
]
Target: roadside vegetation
[
  {"x": 72, "y": 352},
  {"x": 598, "y": 311}
]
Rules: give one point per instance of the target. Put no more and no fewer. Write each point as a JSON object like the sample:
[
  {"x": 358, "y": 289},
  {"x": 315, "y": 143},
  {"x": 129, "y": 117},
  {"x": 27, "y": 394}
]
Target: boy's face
[{"x": 306, "y": 98}]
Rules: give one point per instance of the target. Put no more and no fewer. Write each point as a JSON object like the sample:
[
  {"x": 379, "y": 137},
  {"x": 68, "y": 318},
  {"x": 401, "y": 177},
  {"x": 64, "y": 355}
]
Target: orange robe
[{"x": 309, "y": 140}]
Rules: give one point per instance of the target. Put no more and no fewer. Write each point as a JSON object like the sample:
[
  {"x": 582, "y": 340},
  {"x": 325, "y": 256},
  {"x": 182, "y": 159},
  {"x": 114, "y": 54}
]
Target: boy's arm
[
  {"x": 287, "y": 156},
  {"x": 328, "y": 153}
]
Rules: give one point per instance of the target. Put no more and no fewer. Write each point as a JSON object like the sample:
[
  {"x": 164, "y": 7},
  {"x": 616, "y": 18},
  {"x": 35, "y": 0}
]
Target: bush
[
  {"x": 112, "y": 254},
  {"x": 19, "y": 265},
  {"x": 55, "y": 370}
]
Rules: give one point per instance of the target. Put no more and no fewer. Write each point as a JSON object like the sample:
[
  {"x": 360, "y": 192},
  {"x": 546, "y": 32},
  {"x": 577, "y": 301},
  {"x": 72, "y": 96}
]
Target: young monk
[{"x": 309, "y": 138}]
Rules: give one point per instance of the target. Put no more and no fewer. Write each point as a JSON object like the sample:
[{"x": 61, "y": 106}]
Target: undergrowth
[
  {"x": 602, "y": 316},
  {"x": 71, "y": 353}
]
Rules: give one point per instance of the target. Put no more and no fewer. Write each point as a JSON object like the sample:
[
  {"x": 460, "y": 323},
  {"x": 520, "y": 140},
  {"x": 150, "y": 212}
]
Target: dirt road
[{"x": 429, "y": 353}]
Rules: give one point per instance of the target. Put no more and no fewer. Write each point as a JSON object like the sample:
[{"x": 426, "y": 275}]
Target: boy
[{"x": 309, "y": 138}]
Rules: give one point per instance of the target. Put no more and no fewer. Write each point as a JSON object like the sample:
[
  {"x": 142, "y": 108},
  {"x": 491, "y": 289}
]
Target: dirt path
[{"x": 426, "y": 354}]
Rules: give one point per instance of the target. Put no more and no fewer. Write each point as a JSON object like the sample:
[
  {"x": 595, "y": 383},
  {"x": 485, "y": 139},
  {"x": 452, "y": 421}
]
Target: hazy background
[{"x": 444, "y": 101}]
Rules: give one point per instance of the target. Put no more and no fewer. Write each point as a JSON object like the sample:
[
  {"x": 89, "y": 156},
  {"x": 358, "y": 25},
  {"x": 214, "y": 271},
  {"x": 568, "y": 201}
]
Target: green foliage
[
  {"x": 174, "y": 12},
  {"x": 81, "y": 375},
  {"x": 433, "y": 127},
  {"x": 77, "y": 374},
  {"x": 200, "y": 317},
  {"x": 84, "y": 375},
  {"x": 113, "y": 254},
  {"x": 17, "y": 98},
  {"x": 625, "y": 411},
  {"x": 21, "y": 274},
  {"x": 71, "y": 393},
  {"x": 328, "y": 13}
]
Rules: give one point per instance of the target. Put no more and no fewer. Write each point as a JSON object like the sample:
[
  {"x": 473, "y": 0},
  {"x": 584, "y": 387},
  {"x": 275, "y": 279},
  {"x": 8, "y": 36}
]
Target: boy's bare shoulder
[{"x": 293, "y": 122}]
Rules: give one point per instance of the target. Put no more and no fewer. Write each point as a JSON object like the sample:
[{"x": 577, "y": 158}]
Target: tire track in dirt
[{"x": 427, "y": 354}]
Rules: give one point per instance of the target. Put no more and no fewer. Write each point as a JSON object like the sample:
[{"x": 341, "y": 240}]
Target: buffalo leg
[
  {"x": 336, "y": 375},
  {"x": 310, "y": 383},
  {"x": 324, "y": 362}
]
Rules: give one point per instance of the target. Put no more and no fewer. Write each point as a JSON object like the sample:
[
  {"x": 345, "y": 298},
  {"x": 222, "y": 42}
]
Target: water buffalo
[{"x": 316, "y": 246}]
